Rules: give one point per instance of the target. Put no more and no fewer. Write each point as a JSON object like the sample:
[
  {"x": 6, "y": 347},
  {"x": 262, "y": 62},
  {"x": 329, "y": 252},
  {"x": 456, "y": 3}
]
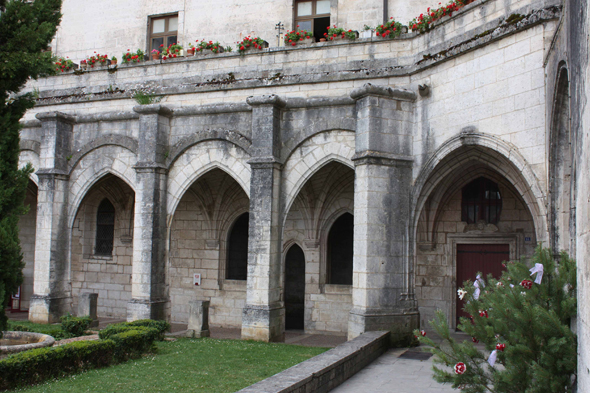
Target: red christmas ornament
[
  {"x": 500, "y": 347},
  {"x": 423, "y": 333},
  {"x": 527, "y": 284},
  {"x": 460, "y": 368},
  {"x": 475, "y": 340}
]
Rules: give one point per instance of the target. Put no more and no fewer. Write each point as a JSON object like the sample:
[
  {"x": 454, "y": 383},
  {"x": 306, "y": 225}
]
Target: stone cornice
[
  {"x": 55, "y": 116},
  {"x": 153, "y": 109},
  {"x": 369, "y": 89},
  {"x": 266, "y": 100}
]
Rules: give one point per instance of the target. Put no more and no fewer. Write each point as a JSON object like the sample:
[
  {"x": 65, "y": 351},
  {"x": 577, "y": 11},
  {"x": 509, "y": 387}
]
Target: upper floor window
[
  {"x": 163, "y": 31},
  {"x": 105, "y": 228},
  {"x": 237, "y": 249},
  {"x": 340, "y": 250},
  {"x": 313, "y": 16},
  {"x": 481, "y": 200}
]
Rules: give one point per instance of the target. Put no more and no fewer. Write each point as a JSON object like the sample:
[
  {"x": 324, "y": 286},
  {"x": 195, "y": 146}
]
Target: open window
[
  {"x": 313, "y": 16},
  {"x": 481, "y": 200},
  {"x": 105, "y": 228},
  {"x": 163, "y": 31}
]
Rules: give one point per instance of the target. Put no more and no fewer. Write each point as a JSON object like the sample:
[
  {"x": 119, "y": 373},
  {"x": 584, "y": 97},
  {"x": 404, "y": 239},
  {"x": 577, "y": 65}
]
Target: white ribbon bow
[
  {"x": 476, "y": 283},
  {"x": 539, "y": 270},
  {"x": 492, "y": 358}
]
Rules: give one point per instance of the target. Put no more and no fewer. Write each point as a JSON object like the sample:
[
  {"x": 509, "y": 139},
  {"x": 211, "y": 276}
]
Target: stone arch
[
  {"x": 125, "y": 142},
  {"x": 27, "y": 156},
  {"x": 325, "y": 193},
  {"x": 497, "y": 154},
  {"x": 199, "y": 159},
  {"x": 436, "y": 225},
  {"x": 312, "y": 155},
  {"x": 106, "y": 271},
  {"x": 198, "y": 233},
  {"x": 186, "y": 143},
  {"x": 561, "y": 180}
]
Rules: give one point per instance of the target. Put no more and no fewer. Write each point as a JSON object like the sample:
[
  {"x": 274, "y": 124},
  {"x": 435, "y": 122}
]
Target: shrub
[
  {"x": 75, "y": 326},
  {"x": 524, "y": 326},
  {"x": 159, "y": 326},
  {"x": 37, "y": 365},
  {"x": 133, "y": 342}
]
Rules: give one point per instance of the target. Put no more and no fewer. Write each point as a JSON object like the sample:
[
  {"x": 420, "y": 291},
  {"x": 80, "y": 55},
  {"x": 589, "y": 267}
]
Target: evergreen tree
[
  {"x": 524, "y": 325},
  {"x": 26, "y": 29}
]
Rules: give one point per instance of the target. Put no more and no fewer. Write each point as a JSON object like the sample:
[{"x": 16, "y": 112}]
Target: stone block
[{"x": 198, "y": 319}]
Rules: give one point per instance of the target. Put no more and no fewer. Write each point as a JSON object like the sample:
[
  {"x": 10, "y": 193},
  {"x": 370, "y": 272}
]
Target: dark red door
[{"x": 473, "y": 258}]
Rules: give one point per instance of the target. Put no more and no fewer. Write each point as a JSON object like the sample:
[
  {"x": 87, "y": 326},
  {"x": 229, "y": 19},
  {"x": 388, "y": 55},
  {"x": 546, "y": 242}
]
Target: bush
[
  {"x": 524, "y": 325},
  {"x": 134, "y": 342},
  {"x": 38, "y": 365},
  {"x": 160, "y": 326},
  {"x": 75, "y": 326}
]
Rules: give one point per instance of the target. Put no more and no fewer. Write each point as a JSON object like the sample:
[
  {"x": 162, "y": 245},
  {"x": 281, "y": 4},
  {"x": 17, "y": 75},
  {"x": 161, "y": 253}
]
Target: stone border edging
[{"x": 324, "y": 372}]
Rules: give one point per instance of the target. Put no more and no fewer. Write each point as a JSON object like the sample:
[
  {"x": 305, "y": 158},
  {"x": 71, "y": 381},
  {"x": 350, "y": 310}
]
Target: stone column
[
  {"x": 148, "y": 284},
  {"x": 52, "y": 291},
  {"x": 264, "y": 313},
  {"x": 383, "y": 177}
]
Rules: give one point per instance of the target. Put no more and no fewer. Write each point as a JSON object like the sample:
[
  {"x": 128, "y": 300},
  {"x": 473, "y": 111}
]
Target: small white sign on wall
[{"x": 197, "y": 279}]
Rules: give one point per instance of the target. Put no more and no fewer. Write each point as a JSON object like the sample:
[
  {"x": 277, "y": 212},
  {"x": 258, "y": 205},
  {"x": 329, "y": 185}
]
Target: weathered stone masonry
[{"x": 296, "y": 137}]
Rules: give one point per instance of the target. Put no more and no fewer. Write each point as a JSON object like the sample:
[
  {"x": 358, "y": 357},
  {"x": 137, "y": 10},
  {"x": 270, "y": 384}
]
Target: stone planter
[
  {"x": 367, "y": 34},
  {"x": 190, "y": 52}
]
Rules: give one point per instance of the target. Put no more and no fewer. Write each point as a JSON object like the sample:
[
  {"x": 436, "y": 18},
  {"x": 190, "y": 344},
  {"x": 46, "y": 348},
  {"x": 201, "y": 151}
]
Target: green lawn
[
  {"x": 53, "y": 330},
  {"x": 189, "y": 365}
]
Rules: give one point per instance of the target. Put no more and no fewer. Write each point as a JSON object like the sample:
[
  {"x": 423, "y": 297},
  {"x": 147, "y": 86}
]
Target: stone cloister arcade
[{"x": 294, "y": 216}]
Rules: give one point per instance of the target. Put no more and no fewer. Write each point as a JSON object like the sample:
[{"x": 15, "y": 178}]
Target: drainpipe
[{"x": 385, "y": 10}]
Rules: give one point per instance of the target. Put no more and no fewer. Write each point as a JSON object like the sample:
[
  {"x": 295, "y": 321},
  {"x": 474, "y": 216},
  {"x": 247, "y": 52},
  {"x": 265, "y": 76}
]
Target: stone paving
[{"x": 390, "y": 373}]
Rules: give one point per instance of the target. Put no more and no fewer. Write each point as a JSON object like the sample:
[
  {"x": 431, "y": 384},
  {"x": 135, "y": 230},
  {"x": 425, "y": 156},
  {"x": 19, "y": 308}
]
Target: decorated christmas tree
[{"x": 519, "y": 329}]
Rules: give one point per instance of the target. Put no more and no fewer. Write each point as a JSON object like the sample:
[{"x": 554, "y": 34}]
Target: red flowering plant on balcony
[
  {"x": 64, "y": 65},
  {"x": 214, "y": 47},
  {"x": 338, "y": 32},
  {"x": 248, "y": 43},
  {"x": 294, "y": 37},
  {"x": 133, "y": 57},
  {"x": 97, "y": 60},
  {"x": 171, "y": 52},
  {"x": 422, "y": 23},
  {"x": 391, "y": 29}
]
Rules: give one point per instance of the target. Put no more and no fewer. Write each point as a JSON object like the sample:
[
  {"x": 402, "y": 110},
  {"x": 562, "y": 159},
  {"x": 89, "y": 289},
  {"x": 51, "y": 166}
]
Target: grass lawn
[{"x": 189, "y": 365}]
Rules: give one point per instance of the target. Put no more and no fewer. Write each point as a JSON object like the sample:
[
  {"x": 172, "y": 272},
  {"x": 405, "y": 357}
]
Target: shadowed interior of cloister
[
  {"x": 472, "y": 210},
  {"x": 209, "y": 236},
  {"x": 102, "y": 246},
  {"x": 317, "y": 252}
]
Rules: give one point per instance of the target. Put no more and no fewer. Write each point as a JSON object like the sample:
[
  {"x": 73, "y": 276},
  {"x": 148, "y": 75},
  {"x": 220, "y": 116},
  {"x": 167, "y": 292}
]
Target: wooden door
[{"x": 473, "y": 258}]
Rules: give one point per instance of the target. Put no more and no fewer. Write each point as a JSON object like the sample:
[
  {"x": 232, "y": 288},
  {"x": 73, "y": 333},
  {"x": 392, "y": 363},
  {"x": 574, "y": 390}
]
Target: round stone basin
[{"x": 13, "y": 342}]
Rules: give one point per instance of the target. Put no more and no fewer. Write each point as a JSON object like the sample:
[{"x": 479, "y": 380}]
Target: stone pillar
[
  {"x": 383, "y": 177},
  {"x": 87, "y": 304},
  {"x": 148, "y": 285},
  {"x": 198, "y": 319},
  {"x": 264, "y": 314},
  {"x": 52, "y": 292}
]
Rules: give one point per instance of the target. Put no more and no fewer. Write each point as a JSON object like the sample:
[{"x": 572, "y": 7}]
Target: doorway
[
  {"x": 295, "y": 289},
  {"x": 473, "y": 258}
]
